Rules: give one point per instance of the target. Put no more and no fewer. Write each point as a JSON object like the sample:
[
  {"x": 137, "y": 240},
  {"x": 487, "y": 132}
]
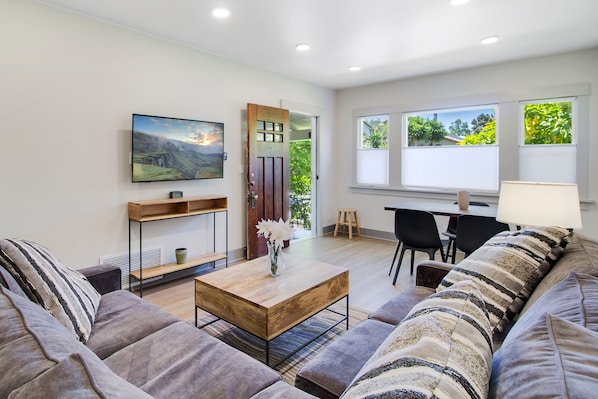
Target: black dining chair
[
  {"x": 415, "y": 231},
  {"x": 474, "y": 231},
  {"x": 451, "y": 233}
]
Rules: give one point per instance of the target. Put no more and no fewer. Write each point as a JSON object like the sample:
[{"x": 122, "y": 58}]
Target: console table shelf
[
  {"x": 146, "y": 211},
  {"x": 163, "y": 209},
  {"x": 157, "y": 271}
]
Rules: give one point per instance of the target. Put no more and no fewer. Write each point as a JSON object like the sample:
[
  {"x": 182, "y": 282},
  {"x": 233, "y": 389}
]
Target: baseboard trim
[{"x": 365, "y": 232}]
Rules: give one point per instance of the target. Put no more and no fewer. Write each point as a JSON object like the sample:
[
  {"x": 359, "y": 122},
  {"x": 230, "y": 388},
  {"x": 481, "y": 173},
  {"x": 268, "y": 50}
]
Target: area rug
[{"x": 287, "y": 342}]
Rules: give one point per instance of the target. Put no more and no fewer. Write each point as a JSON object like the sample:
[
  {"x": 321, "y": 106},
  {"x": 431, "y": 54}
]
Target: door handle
[{"x": 253, "y": 197}]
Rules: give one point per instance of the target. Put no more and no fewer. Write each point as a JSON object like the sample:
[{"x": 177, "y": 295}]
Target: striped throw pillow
[
  {"x": 508, "y": 267},
  {"x": 442, "y": 348},
  {"x": 62, "y": 291}
]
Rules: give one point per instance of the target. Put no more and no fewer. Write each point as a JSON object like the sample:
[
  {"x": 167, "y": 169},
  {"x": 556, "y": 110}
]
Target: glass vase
[{"x": 275, "y": 263}]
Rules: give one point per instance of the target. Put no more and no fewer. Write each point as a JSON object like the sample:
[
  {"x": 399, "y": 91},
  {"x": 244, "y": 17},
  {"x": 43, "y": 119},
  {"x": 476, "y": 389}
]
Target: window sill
[{"x": 490, "y": 198}]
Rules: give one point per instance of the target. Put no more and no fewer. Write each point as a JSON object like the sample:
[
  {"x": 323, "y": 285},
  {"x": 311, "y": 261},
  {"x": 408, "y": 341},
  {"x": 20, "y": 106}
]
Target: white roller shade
[
  {"x": 548, "y": 163},
  {"x": 451, "y": 167},
  {"x": 372, "y": 167}
]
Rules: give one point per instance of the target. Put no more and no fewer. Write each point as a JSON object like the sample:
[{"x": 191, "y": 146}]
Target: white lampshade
[{"x": 539, "y": 204}]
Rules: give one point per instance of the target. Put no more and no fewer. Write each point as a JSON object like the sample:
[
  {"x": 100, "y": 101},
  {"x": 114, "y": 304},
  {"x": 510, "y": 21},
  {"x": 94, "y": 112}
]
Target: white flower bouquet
[{"x": 275, "y": 234}]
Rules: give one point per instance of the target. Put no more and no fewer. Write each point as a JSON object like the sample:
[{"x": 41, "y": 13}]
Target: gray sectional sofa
[
  {"x": 134, "y": 350},
  {"x": 549, "y": 347}
]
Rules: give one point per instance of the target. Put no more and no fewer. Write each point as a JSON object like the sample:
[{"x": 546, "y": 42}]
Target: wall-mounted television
[{"x": 168, "y": 149}]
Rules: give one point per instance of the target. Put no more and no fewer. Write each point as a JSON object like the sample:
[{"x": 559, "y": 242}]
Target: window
[
  {"x": 452, "y": 148},
  {"x": 372, "y": 150},
  {"x": 462, "y": 126},
  {"x": 547, "y": 149},
  {"x": 447, "y": 146}
]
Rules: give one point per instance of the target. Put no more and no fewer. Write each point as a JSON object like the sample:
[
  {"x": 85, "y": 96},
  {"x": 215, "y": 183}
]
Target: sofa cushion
[
  {"x": 64, "y": 292},
  {"x": 181, "y": 361},
  {"x": 552, "y": 358},
  {"x": 122, "y": 319},
  {"x": 441, "y": 349},
  {"x": 331, "y": 372},
  {"x": 508, "y": 267},
  {"x": 31, "y": 341},
  {"x": 399, "y": 306},
  {"x": 78, "y": 377}
]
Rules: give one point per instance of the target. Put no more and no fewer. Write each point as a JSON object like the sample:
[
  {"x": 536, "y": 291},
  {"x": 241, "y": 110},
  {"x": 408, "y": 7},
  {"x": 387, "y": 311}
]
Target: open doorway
[{"x": 302, "y": 181}]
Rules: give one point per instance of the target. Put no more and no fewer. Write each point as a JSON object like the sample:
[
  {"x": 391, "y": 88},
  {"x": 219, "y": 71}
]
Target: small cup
[
  {"x": 181, "y": 255},
  {"x": 463, "y": 200}
]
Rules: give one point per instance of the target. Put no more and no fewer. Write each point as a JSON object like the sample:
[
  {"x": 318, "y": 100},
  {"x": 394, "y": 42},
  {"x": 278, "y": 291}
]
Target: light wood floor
[{"x": 367, "y": 259}]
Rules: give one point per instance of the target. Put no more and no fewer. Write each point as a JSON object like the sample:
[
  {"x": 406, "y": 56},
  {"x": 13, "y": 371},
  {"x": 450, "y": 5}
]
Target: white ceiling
[{"x": 389, "y": 39}]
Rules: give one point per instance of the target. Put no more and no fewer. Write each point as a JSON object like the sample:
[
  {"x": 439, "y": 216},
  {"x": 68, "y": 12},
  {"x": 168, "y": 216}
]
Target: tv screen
[{"x": 167, "y": 149}]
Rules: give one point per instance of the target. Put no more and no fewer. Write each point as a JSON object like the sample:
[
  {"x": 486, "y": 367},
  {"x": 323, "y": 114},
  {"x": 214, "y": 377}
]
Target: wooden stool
[{"x": 349, "y": 221}]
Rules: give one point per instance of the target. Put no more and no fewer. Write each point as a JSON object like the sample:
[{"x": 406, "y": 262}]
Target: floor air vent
[{"x": 151, "y": 257}]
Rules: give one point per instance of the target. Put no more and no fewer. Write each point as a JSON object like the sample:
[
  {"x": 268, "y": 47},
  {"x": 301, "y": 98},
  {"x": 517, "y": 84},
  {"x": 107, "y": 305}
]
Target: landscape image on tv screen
[{"x": 166, "y": 149}]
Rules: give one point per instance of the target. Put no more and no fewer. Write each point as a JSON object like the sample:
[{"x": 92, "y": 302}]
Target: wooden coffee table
[{"x": 246, "y": 296}]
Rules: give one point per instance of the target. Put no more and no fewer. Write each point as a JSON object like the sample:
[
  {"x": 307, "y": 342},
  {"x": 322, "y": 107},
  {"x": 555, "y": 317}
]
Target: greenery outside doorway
[{"x": 301, "y": 201}]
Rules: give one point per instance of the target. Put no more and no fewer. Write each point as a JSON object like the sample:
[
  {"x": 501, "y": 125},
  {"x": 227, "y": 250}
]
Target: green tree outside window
[
  {"x": 459, "y": 128},
  {"x": 374, "y": 132},
  {"x": 426, "y": 131},
  {"x": 548, "y": 123},
  {"x": 300, "y": 182},
  {"x": 486, "y": 136}
]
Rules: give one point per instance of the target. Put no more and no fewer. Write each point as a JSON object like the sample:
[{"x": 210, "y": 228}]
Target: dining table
[{"x": 443, "y": 208}]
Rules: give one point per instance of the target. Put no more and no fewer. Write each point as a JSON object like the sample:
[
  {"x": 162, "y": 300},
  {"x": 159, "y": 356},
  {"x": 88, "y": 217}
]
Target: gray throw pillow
[
  {"x": 62, "y": 291},
  {"x": 553, "y": 358},
  {"x": 31, "y": 341},
  {"x": 508, "y": 267},
  {"x": 441, "y": 349},
  {"x": 575, "y": 299}
]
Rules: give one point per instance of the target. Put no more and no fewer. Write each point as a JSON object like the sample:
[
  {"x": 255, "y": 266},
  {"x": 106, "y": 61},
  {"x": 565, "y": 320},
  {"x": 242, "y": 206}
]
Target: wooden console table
[{"x": 154, "y": 210}]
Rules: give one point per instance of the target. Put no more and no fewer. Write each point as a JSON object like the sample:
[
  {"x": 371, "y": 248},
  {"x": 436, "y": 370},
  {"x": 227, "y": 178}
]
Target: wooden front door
[{"x": 267, "y": 171}]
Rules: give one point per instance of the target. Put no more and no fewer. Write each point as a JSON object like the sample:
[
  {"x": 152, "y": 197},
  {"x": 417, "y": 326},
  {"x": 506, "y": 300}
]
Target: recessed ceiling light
[
  {"x": 489, "y": 40},
  {"x": 302, "y": 47},
  {"x": 220, "y": 12},
  {"x": 458, "y": 2},
  {"x": 354, "y": 68}
]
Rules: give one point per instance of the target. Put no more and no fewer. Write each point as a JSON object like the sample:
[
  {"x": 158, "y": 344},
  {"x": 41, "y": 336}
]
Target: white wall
[
  {"x": 68, "y": 87},
  {"x": 452, "y": 89}
]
